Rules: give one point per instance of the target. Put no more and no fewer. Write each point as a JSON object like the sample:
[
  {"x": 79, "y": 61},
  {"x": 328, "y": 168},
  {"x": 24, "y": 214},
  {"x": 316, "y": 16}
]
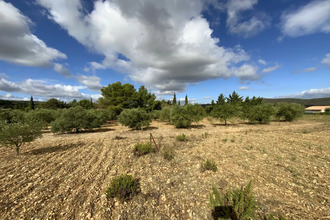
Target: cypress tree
[
  {"x": 186, "y": 100},
  {"x": 174, "y": 99},
  {"x": 31, "y": 103}
]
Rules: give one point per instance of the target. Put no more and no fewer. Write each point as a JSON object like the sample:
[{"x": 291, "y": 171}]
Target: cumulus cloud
[
  {"x": 271, "y": 69},
  {"x": 311, "y": 18},
  {"x": 18, "y": 45},
  {"x": 164, "y": 45},
  {"x": 244, "y": 88},
  {"x": 92, "y": 82},
  {"x": 311, "y": 94},
  {"x": 256, "y": 23},
  {"x": 43, "y": 89},
  {"x": 262, "y": 62},
  {"x": 326, "y": 59},
  {"x": 246, "y": 72}
]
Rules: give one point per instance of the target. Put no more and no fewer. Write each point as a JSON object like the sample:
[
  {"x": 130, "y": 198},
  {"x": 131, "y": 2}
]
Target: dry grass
[{"x": 65, "y": 176}]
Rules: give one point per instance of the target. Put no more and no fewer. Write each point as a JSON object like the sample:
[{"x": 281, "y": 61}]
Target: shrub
[
  {"x": 12, "y": 116},
  {"x": 44, "y": 115},
  {"x": 168, "y": 154},
  {"x": 16, "y": 134},
  {"x": 123, "y": 187},
  {"x": 76, "y": 119},
  {"x": 196, "y": 112},
  {"x": 224, "y": 111},
  {"x": 327, "y": 111},
  {"x": 261, "y": 113},
  {"x": 235, "y": 204},
  {"x": 155, "y": 114},
  {"x": 134, "y": 118},
  {"x": 165, "y": 114},
  {"x": 143, "y": 148},
  {"x": 289, "y": 111},
  {"x": 209, "y": 165},
  {"x": 181, "y": 137},
  {"x": 180, "y": 117}
]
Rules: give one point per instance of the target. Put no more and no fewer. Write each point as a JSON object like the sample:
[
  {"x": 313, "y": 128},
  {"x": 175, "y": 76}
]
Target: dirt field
[{"x": 65, "y": 176}]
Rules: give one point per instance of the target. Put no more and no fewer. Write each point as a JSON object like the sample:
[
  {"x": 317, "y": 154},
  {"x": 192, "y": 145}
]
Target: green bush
[
  {"x": 155, "y": 114},
  {"x": 134, "y": 118},
  {"x": 44, "y": 115},
  {"x": 123, "y": 187},
  {"x": 180, "y": 117},
  {"x": 165, "y": 114},
  {"x": 261, "y": 113},
  {"x": 181, "y": 137},
  {"x": 18, "y": 133},
  {"x": 196, "y": 112},
  {"x": 12, "y": 116},
  {"x": 327, "y": 111},
  {"x": 235, "y": 204},
  {"x": 76, "y": 119},
  {"x": 289, "y": 111},
  {"x": 143, "y": 148},
  {"x": 209, "y": 165},
  {"x": 224, "y": 112}
]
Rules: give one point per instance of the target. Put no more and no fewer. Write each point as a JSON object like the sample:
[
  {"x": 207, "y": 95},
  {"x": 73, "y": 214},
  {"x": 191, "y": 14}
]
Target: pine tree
[
  {"x": 31, "y": 103},
  {"x": 179, "y": 103},
  {"x": 186, "y": 100},
  {"x": 174, "y": 99},
  {"x": 221, "y": 99}
]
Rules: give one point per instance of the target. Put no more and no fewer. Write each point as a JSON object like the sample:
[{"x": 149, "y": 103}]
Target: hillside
[{"x": 305, "y": 102}]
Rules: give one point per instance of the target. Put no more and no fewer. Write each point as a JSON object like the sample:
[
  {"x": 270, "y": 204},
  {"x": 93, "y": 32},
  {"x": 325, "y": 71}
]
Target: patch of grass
[
  {"x": 209, "y": 165},
  {"x": 168, "y": 154},
  {"x": 143, "y": 148},
  {"x": 232, "y": 140},
  {"x": 205, "y": 135},
  {"x": 224, "y": 140},
  {"x": 234, "y": 204},
  {"x": 294, "y": 172},
  {"x": 181, "y": 137},
  {"x": 123, "y": 187}
]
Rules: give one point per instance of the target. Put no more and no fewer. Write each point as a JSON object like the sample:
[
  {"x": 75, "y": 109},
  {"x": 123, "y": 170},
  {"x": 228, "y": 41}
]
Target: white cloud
[
  {"x": 18, "y": 45},
  {"x": 248, "y": 28},
  {"x": 92, "y": 82},
  {"x": 326, "y": 59},
  {"x": 207, "y": 97},
  {"x": 311, "y": 18},
  {"x": 309, "y": 70},
  {"x": 246, "y": 72},
  {"x": 262, "y": 62},
  {"x": 165, "y": 44},
  {"x": 271, "y": 69},
  {"x": 311, "y": 94},
  {"x": 244, "y": 88},
  {"x": 43, "y": 89}
]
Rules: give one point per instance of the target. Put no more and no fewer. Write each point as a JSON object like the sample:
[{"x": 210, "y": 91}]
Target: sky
[{"x": 69, "y": 49}]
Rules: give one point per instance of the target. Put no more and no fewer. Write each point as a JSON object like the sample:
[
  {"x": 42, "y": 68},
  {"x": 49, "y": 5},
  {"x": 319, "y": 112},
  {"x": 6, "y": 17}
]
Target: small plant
[
  {"x": 168, "y": 154},
  {"x": 181, "y": 137},
  {"x": 235, "y": 204},
  {"x": 209, "y": 165},
  {"x": 224, "y": 140},
  {"x": 123, "y": 187},
  {"x": 205, "y": 135},
  {"x": 232, "y": 140},
  {"x": 143, "y": 148}
]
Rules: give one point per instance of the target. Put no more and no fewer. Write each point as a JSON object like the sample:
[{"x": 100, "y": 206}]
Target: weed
[
  {"x": 224, "y": 140},
  {"x": 181, "y": 137},
  {"x": 294, "y": 172},
  {"x": 232, "y": 140},
  {"x": 123, "y": 187},
  {"x": 235, "y": 204},
  {"x": 168, "y": 154},
  {"x": 209, "y": 165},
  {"x": 143, "y": 148},
  {"x": 205, "y": 135},
  {"x": 294, "y": 158},
  {"x": 264, "y": 150}
]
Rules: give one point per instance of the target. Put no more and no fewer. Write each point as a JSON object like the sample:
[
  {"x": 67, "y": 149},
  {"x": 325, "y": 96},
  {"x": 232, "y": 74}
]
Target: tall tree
[
  {"x": 221, "y": 99},
  {"x": 234, "y": 98},
  {"x": 174, "y": 99},
  {"x": 31, "y": 103},
  {"x": 118, "y": 94},
  {"x": 186, "y": 100}
]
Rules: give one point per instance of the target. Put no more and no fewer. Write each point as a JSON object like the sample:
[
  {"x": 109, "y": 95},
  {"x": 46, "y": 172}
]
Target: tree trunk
[
  {"x": 17, "y": 150},
  {"x": 225, "y": 122}
]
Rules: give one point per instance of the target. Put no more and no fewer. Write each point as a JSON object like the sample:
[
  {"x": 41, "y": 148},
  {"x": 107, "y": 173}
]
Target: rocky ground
[{"x": 64, "y": 176}]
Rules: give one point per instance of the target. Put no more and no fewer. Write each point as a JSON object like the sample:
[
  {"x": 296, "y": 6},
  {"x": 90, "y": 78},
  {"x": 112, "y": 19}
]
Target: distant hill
[
  {"x": 15, "y": 104},
  {"x": 305, "y": 102}
]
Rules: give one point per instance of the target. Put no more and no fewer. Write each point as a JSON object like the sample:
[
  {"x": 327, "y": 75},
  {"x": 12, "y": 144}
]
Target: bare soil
[{"x": 64, "y": 176}]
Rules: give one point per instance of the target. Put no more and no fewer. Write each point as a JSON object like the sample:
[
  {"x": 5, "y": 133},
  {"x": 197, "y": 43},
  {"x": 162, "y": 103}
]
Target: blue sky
[{"x": 70, "y": 49}]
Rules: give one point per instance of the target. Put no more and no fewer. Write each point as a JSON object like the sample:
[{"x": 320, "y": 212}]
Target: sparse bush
[
  {"x": 134, "y": 118},
  {"x": 235, "y": 204},
  {"x": 209, "y": 165},
  {"x": 181, "y": 137},
  {"x": 261, "y": 113},
  {"x": 180, "y": 117},
  {"x": 76, "y": 119},
  {"x": 143, "y": 148},
  {"x": 289, "y": 111},
  {"x": 168, "y": 154},
  {"x": 196, "y": 112},
  {"x": 18, "y": 133},
  {"x": 155, "y": 114},
  {"x": 123, "y": 187}
]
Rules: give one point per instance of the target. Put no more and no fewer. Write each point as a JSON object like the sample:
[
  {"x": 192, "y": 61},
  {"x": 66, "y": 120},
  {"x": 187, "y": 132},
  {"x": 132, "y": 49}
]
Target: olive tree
[{"x": 134, "y": 118}]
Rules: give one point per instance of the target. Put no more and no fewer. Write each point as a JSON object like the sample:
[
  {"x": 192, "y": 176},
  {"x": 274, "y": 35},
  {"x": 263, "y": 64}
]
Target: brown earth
[{"x": 64, "y": 176}]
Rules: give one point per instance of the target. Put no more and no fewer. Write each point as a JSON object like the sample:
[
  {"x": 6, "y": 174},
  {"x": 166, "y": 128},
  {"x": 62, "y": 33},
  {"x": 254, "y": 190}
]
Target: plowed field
[{"x": 64, "y": 176}]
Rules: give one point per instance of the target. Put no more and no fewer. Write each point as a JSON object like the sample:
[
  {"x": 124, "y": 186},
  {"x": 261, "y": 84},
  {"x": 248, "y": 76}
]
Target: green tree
[
  {"x": 85, "y": 103},
  {"x": 145, "y": 99},
  {"x": 134, "y": 118},
  {"x": 224, "y": 112},
  {"x": 260, "y": 113},
  {"x": 186, "y": 100},
  {"x": 31, "y": 105},
  {"x": 174, "y": 99},
  {"x": 53, "y": 104},
  {"x": 16, "y": 134},
  {"x": 221, "y": 99},
  {"x": 289, "y": 111},
  {"x": 196, "y": 112},
  {"x": 180, "y": 117},
  {"x": 234, "y": 98},
  {"x": 118, "y": 94}
]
